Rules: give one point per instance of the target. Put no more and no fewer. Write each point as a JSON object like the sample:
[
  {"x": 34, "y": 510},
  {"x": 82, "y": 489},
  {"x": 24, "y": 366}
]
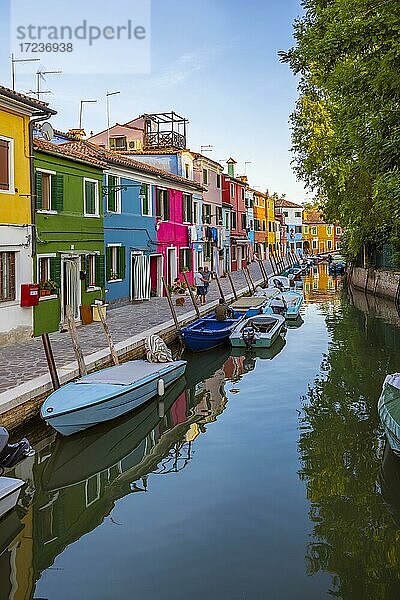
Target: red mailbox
[{"x": 29, "y": 294}]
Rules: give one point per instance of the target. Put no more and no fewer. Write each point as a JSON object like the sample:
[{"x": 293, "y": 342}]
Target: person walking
[
  {"x": 199, "y": 282},
  {"x": 207, "y": 278}
]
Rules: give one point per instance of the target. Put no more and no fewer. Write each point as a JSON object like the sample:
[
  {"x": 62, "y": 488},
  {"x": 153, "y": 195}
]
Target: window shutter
[
  {"x": 100, "y": 270},
  {"x": 57, "y": 192},
  {"x": 90, "y": 206},
  {"x": 190, "y": 265},
  {"x": 121, "y": 262},
  {"x": 38, "y": 190},
  {"x": 158, "y": 204},
  {"x": 112, "y": 196},
  {"x": 181, "y": 259},
  {"x": 166, "y": 206},
  {"x": 108, "y": 263},
  {"x": 55, "y": 270}
]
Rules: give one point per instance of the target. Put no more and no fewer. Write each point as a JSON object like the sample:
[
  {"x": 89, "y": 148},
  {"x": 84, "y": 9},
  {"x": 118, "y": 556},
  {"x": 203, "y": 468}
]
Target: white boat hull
[{"x": 9, "y": 493}]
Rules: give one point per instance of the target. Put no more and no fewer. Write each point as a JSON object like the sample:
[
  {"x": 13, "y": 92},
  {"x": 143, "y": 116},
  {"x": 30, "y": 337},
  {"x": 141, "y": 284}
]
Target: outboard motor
[
  {"x": 249, "y": 335},
  {"x": 12, "y": 454}
]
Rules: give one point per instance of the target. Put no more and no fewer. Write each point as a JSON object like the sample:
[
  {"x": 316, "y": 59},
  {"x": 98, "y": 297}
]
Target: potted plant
[{"x": 48, "y": 287}]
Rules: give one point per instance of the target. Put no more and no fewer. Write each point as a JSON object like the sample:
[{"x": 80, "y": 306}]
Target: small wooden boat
[
  {"x": 108, "y": 394},
  {"x": 208, "y": 332},
  {"x": 260, "y": 331},
  {"x": 287, "y": 304},
  {"x": 389, "y": 410},
  {"x": 9, "y": 493},
  {"x": 250, "y": 306}
]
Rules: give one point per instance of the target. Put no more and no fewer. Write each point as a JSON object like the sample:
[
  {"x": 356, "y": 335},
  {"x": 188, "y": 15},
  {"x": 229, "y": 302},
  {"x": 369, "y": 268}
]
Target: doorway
[
  {"x": 71, "y": 285},
  {"x": 140, "y": 277},
  {"x": 156, "y": 272},
  {"x": 172, "y": 265}
]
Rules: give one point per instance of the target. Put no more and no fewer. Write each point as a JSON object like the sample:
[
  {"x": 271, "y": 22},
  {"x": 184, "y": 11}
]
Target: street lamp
[
  {"x": 108, "y": 94},
  {"x": 81, "y": 110}
]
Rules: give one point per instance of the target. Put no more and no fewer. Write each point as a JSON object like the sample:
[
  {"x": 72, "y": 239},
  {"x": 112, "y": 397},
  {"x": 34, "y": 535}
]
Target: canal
[{"x": 260, "y": 477}]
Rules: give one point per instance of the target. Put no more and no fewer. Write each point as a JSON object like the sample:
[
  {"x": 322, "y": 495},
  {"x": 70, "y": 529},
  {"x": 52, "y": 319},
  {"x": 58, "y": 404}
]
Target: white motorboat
[
  {"x": 260, "y": 331},
  {"x": 9, "y": 493}
]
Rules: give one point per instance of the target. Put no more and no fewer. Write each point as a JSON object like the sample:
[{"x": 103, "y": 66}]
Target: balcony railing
[{"x": 164, "y": 139}]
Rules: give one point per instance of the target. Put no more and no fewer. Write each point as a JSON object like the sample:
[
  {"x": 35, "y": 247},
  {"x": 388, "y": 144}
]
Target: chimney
[
  {"x": 231, "y": 167},
  {"x": 78, "y": 133}
]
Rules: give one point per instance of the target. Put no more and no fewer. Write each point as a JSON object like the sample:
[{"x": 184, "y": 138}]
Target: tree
[{"x": 346, "y": 125}]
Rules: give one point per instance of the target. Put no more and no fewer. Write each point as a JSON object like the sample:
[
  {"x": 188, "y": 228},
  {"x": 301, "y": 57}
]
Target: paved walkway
[{"x": 24, "y": 361}]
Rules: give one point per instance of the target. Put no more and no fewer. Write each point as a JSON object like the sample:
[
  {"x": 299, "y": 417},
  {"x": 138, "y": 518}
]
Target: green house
[{"x": 69, "y": 257}]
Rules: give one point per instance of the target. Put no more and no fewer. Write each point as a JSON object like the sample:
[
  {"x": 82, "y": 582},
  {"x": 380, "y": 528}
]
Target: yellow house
[
  {"x": 17, "y": 112},
  {"x": 318, "y": 236},
  {"x": 272, "y": 226},
  {"x": 260, "y": 224}
]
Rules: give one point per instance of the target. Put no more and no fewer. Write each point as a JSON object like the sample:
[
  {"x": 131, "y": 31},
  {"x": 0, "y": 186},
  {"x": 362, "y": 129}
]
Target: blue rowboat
[
  {"x": 389, "y": 410},
  {"x": 208, "y": 333},
  {"x": 108, "y": 394}
]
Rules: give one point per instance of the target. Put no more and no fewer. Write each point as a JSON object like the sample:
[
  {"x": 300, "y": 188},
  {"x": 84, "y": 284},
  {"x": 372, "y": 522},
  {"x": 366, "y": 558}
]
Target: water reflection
[{"x": 353, "y": 536}]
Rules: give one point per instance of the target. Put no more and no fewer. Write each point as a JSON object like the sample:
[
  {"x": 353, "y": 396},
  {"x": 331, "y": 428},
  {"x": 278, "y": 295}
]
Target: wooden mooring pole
[
  {"x": 103, "y": 320},
  {"x": 221, "y": 291},
  {"x": 247, "y": 281},
  {"x": 50, "y": 361},
  {"x": 171, "y": 305},
  {"x": 196, "y": 308},
  {"x": 232, "y": 286},
  {"x": 75, "y": 341},
  {"x": 251, "y": 280}
]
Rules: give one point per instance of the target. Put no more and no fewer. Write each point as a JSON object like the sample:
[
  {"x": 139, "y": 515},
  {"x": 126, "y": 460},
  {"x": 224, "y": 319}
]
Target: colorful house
[
  {"x": 233, "y": 193},
  {"x": 260, "y": 225},
  {"x": 272, "y": 226},
  {"x": 293, "y": 215},
  {"x": 17, "y": 234},
  {"x": 150, "y": 226},
  {"x": 70, "y": 262},
  {"x": 319, "y": 237}
]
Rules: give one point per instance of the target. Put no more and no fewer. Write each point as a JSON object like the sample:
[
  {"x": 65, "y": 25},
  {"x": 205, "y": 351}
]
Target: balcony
[{"x": 164, "y": 131}]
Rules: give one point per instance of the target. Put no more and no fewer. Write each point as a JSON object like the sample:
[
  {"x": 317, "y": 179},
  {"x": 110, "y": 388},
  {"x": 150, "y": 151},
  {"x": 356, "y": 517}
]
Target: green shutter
[
  {"x": 190, "y": 265},
  {"x": 112, "y": 194},
  {"x": 55, "y": 270},
  {"x": 121, "y": 262},
  {"x": 90, "y": 200},
  {"x": 108, "y": 263},
  {"x": 181, "y": 260},
  {"x": 100, "y": 270},
  {"x": 38, "y": 190},
  {"x": 57, "y": 192},
  {"x": 158, "y": 204},
  {"x": 166, "y": 206}
]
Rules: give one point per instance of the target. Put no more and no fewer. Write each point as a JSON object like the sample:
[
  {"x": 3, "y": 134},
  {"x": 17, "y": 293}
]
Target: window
[
  {"x": 233, "y": 252},
  {"x": 44, "y": 269},
  {"x": 92, "y": 489},
  {"x": 187, "y": 171},
  {"x": 305, "y": 229},
  {"x": 49, "y": 191},
  {"x": 185, "y": 259},
  {"x": 162, "y": 205},
  {"x": 118, "y": 143},
  {"x": 329, "y": 244},
  {"x": 145, "y": 197},
  {"x": 187, "y": 208},
  {"x": 207, "y": 214},
  {"x": 6, "y": 165},
  {"x": 113, "y": 195},
  {"x": 329, "y": 230},
  {"x": 219, "y": 181},
  {"x": 227, "y": 219},
  {"x": 285, "y": 213},
  {"x": 205, "y": 176},
  {"x": 315, "y": 244},
  {"x": 115, "y": 263},
  {"x": 297, "y": 229},
  {"x": 219, "y": 215},
  {"x": 94, "y": 270},
  {"x": 242, "y": 193},
  {"x": 298, "y": 214},
  {"x": 337, "y": 245},
  {"x": 232, "y": 190},
  {"x": 338, "y": 230},
  {"x": 195, "y": 212},
  {"x": 91, "y": 194},
  {"x": 264, "y": 226},
  {"x": 256, "y": 224},
  {"x": 7, "y": 276},
  {"x": 233, "y": 220},
  {"x": 244, "y": 220},
  {"x": 314, "y": 231}
]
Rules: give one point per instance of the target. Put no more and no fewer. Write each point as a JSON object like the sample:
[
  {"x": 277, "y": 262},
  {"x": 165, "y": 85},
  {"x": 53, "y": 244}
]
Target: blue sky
[{"x": 214, "y": 62}]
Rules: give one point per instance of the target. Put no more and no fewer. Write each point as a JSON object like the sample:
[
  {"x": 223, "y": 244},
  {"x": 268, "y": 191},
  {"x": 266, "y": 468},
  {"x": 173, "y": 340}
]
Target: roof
[
  {"x": 198, "y": 155},
  {"x": 313, "y": 216},
  {"x": 65, "y": 152},
  {"x": 283, "y": 203},
  {"x": 27, "y": 100},
  {"x": 257, "y": 192},
  {"x": 89, "y": 150}
]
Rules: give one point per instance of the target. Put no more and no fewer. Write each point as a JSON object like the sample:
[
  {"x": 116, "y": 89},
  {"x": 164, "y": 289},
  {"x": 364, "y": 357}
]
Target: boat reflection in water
[
  {"x": 249, "y": 357},
  {"x": 389, "y": 479}
]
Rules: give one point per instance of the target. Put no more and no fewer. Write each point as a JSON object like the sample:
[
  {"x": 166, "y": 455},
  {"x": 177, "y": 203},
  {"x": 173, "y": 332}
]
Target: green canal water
[{"x": 260, "y": 477}]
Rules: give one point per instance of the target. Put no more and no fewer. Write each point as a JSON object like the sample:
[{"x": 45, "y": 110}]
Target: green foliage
[{"x": 346, "y": 123}]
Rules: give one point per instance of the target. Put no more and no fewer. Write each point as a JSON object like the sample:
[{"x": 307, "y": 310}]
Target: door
[
  {"x": 71, "y": 285},
  {"x": 140, "y": 277},
  {"x": 156, "y": 272},
  {"x": 172, "y": 265}
]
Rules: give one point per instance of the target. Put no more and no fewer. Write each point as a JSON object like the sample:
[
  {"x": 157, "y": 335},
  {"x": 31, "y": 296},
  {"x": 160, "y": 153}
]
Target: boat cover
[
  {"x": 128, "y": 373},
  {"x": 389, "y": 410},
  {"x": 248, "y": 302},
  {"x": 9, "y": 485}
]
